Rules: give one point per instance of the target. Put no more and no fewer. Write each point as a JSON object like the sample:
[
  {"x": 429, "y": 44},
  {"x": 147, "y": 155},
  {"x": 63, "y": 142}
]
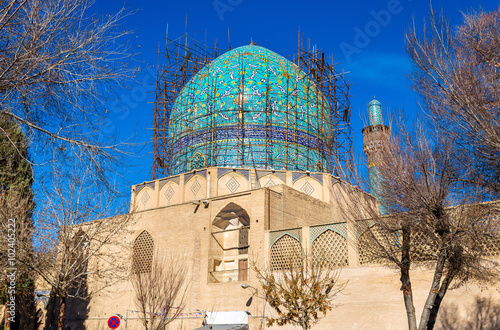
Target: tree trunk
[
  {"x": 437, "y": 303},
  {"x": 433, "y": 293},
  {"x": 6, "y": 316},
  {"x": 405, "y": 281},
  {"x": 62, "y": 313}
]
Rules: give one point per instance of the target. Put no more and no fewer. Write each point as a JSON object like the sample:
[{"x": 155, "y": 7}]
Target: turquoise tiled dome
[{"x": 249, "y": 108}]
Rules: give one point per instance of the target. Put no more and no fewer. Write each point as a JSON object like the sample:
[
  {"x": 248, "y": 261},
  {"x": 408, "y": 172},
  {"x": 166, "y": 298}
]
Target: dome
[{"x": 250, "y": 108}]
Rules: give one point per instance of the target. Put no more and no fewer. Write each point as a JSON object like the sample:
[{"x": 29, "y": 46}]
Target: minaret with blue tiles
[{"x": 375, "y": 136}]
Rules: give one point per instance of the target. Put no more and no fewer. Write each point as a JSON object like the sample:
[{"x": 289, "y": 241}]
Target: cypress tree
[{"x": 16, "y": 202}]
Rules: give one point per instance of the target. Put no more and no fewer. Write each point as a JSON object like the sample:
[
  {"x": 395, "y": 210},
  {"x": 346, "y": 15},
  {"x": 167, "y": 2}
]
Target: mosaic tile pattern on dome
[{"x": 250, "y": 107}]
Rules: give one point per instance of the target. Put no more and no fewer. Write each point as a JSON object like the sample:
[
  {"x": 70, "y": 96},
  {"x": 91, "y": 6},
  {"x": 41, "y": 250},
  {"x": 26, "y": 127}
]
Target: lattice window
[
  {"x": 423, "y": 247},
  {"x": 369, "y": 244},
  {"x": 286, "y": 253},
  {"x": 142, "y": 255},
  {"x": 491, "y": 245},
  {"x": 329, "y": 250}
]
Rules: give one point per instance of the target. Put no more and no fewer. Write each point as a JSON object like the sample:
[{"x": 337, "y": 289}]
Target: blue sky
[{"x": 365, "y": 37}]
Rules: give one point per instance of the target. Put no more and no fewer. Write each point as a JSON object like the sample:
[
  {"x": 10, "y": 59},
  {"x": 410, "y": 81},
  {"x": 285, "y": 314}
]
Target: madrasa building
[{"x": 249, "y": 150}]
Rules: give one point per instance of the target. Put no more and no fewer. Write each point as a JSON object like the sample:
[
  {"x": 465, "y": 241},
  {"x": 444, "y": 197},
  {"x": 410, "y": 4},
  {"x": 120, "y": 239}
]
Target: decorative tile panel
[
  {"x": 195, "y": 187},
  {"x": 232, "y": 185},
  {"x": 307, "y": 188},
  {"x": 169, "y": 193},
  {"x": 172, "y": 178},
  {"x": 270, "y": 183},
  {"x": 145, "y": 198}
]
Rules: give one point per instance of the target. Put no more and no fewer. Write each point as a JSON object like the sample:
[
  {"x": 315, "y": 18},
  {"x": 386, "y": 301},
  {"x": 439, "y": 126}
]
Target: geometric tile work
[
  {"x": 280, "y": 174},
  {"x": 172, "y": 178},
  {"x": 250, "y": 108},
  {"x": 307, "y": 188},
  {"x": 297, "y": 175},
  {"x": 340, "y": 227},
  {"x": 232, "y": 185},
  {"x": 169, "y": 193},
  {"x": 286, "y": 252},
  {"x": 195, "y": 187},
  {"x": 329, "y": 250},
  {"x": 270, "y": 183},
  {"x": 142, "y": 254},
  {"x": 222, "y": 171},
  {"x": 145, "y": 198},
  {"x": 274, "y": 235}
]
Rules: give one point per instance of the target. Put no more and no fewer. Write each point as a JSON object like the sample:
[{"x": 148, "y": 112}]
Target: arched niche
[
  {"x": 142, "y": 253},
  {"x": 229, "y": 244},
  {"x": 286, "y": 252},
  {"x": 329, "y": 249}
]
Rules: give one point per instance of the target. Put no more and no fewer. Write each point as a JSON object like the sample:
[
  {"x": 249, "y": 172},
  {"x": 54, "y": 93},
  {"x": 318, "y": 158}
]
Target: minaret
[{"x": 375, "y": 136}]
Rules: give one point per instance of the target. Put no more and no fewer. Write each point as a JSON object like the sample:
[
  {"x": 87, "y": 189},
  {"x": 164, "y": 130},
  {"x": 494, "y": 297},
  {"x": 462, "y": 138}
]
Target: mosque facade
[{"x": 250, "y": 183}]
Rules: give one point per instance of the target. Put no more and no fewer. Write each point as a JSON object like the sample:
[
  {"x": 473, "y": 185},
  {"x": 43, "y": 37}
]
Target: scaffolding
[{"x": 327, "y": 133}]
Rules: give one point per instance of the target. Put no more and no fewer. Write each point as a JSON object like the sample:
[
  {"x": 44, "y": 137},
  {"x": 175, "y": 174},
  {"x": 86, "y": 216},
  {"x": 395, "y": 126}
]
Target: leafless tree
[
  {"x": 160, "y": 292},
  {"x": 77, "y": 241},
  {"x": 300, "y": 291},
  {"x": 483, "y": 314},
  {"x": 456, "y": 73},
  {"x": 58, "y": 66},
  {"x": 434, "y": 220}
]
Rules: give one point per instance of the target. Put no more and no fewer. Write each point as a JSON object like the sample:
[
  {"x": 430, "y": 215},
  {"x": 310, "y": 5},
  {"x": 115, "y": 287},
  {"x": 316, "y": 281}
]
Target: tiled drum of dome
[{"x": 251, "y": 107}]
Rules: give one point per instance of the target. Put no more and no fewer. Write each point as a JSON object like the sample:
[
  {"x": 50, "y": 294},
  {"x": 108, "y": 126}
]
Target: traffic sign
[{"x": 114, "y": 322}]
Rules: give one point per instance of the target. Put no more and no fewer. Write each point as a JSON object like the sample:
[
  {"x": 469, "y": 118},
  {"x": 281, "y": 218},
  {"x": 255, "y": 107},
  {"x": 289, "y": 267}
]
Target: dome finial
[{"x": 252, "y": 43}]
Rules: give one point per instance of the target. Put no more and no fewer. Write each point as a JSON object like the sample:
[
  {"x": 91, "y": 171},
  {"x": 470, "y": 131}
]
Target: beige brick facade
[{"x": 179, "y": 213}]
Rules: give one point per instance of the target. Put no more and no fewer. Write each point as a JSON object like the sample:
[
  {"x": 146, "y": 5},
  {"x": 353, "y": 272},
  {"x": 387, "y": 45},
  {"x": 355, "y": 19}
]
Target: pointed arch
[
  {"x": 231, "y": 215},
  {"x": 142, "y": 253},
  {"x": 329, "y": 249},
  {"x": 229, "y": 245},
  {"x": 286, "y": 253},
  {"x": 197, "y": 161}
]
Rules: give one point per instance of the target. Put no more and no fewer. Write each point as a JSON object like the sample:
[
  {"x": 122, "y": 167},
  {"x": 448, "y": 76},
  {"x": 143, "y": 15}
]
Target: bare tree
[
  {"x": 484, "y": 313},
  {"x": 77, "y": 242},
  {"x": 300, "y": 291},
  {"x": 456, "y": 73},
  {"x": 160, "y": 291},
  {"x": 433, "y": 219},
  {"x": 58, "y": 66}
]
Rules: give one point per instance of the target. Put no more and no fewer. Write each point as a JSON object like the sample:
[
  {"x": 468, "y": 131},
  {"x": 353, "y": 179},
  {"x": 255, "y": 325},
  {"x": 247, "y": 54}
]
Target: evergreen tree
[{"x": 16, "y": 203}]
